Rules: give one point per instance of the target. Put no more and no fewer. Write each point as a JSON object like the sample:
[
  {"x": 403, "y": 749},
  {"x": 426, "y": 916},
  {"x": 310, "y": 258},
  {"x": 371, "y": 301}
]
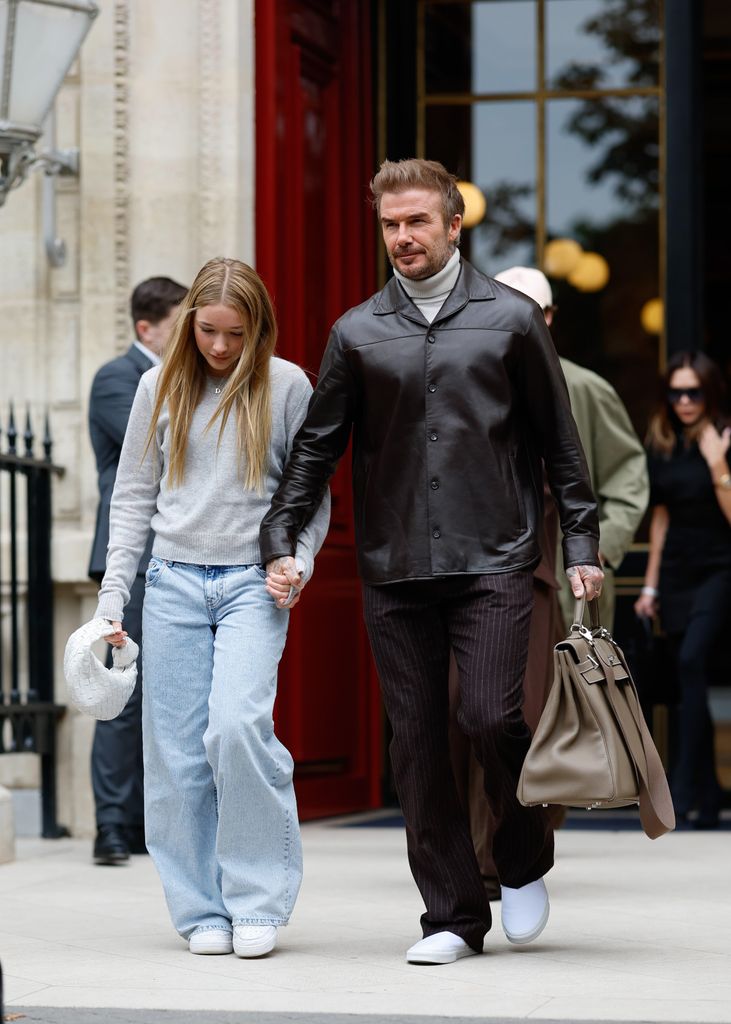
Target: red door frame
[{"x": 314, "y": 157}]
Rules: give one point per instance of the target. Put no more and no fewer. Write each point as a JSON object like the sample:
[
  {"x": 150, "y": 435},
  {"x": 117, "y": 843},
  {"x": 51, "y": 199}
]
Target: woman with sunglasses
[{"x": 688, "y": 578}]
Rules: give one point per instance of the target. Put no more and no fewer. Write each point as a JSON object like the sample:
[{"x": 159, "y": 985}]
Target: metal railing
[{"x": 28, "y": 713}]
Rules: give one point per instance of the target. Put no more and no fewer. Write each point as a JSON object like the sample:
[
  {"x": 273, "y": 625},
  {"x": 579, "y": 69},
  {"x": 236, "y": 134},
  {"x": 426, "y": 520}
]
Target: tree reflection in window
[{"x": 623, "y": 135}]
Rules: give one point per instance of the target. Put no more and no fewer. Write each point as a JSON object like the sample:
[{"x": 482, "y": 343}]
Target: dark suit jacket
[{"x": 112, "y": 395}]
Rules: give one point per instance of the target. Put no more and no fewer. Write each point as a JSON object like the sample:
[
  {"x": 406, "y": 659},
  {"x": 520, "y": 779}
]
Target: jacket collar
[
  {"x": 139, "y": 359},
  {"x": 471, "y": 286}
]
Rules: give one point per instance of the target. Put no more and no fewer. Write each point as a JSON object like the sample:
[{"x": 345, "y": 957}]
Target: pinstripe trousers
[{"x": 412, "y": 626}]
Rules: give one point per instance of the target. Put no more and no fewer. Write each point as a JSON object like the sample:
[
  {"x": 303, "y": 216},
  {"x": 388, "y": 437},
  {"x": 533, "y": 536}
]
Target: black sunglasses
[{"x": 692, "y": 394}]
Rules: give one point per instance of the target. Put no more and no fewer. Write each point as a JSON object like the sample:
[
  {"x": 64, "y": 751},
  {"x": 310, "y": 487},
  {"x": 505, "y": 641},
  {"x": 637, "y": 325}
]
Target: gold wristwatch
[{"x": 724, "y": 481}]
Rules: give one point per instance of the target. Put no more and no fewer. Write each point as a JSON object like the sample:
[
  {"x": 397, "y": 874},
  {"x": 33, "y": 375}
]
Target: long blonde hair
[{"x": 182, "y": 380}]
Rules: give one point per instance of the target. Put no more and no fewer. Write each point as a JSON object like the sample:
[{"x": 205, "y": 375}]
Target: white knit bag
[{"x": 93, "y": 688}]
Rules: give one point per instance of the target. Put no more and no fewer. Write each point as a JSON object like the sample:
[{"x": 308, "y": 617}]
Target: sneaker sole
[
  {"x": 526, "y": 937},
  {"x": 204, "y": 948},
  {"x": 439, "y": 958},
  {"x": 254, "y": 950},
  {"x": 111, "y": 860}
]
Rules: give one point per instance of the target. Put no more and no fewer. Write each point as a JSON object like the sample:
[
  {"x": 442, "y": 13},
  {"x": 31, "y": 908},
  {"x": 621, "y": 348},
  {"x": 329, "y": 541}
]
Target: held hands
[
  {"x": 586, "y": 581},
  {"x": 713, "y": 446},
  {"x": 119, "y": 637},
  {"x": 284, "y": 581}
]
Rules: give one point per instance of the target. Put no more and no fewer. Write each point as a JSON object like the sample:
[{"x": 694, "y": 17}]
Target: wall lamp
[{"x": 39, "y": 41}]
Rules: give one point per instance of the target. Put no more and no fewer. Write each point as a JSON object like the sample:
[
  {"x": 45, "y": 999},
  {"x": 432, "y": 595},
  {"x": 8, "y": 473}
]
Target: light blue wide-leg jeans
[{"x": 220, "y": 812}]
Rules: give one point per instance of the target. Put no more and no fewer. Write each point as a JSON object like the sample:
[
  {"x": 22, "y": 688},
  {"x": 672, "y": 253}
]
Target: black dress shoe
[
  {"x": 135, "y": 836},
  {"x": 110, "y": 845}
]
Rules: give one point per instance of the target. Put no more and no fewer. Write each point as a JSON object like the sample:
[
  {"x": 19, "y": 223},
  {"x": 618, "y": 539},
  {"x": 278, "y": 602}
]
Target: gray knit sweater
[{"x": 210, "y": 519}]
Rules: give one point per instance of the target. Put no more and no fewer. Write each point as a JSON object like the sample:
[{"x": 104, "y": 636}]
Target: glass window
[
  {"x": 602, "y": 44},
  {"x": 506, "y": 173},
  {"x": 581, "y": 165},
  {"x": 602, "y": 179},
  {"x": 492, "y": 145},
  {"x": 602, "y": 160},
  {"x": 482, "y": 47}
]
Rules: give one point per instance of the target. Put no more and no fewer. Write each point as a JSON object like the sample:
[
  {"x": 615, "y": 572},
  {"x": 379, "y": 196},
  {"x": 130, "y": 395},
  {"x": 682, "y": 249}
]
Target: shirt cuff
[
  {"x": 109, "y": 607},
  {"x": 275, "y": 543},
  {"x": 580, "y": 551}
]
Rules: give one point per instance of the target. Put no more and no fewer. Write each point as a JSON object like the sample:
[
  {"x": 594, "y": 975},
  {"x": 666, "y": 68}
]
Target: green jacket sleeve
[{"x": 617, "y": 463}]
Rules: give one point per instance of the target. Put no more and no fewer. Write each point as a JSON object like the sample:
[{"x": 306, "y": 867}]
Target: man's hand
[
  {"x": 284, "y": 581},
  {"x": 586, "y": 581}
]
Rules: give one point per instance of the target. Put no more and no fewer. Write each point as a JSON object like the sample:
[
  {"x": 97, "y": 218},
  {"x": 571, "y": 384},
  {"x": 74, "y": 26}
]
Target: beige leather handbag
[{"x": 592, "y": 747}]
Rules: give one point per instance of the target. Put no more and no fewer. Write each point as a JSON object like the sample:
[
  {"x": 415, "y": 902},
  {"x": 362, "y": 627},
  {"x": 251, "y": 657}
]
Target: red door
[{"x": 315, "y": 250}]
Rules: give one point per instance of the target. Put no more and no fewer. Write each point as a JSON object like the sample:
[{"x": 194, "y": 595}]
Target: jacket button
[
  {"x": 432, "y": 388},
  {"x": 436, "y": 534},
  {"x": 433, "y": 437},
  {"x": 431, "y": 339},
  {"x": 435, "y": 485}
]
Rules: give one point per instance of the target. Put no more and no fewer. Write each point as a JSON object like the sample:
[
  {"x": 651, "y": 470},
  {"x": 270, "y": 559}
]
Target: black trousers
[
  {"x": 116, "y": 756},
  {"x": 412, "y": 627},
  {"x": 694, "y": 780}
]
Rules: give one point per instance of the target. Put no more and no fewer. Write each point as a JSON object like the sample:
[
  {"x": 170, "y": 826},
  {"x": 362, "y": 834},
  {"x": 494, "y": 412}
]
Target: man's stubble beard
[{"x": 437, "y": 262}]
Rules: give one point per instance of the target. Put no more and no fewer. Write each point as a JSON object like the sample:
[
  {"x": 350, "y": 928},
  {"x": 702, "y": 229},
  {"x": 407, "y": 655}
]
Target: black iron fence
[{"x": 28, "y": 713}]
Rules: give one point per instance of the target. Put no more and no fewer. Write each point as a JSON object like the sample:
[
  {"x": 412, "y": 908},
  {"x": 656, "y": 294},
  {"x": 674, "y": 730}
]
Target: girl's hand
[
  {"x": 118, "y": 638},
  {"x": 713, "y": 446},
  {"x": 284, "y": 582},
  {"x": 646, "y": 606}
]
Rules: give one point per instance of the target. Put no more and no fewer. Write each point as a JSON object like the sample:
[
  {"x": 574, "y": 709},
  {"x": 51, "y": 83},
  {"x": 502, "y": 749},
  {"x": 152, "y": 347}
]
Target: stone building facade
[{"x": 161, "y": 106}]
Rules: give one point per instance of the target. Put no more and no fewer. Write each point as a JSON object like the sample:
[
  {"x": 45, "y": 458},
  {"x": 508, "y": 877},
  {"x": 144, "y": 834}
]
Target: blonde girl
[{"x": 207, "y": 442}]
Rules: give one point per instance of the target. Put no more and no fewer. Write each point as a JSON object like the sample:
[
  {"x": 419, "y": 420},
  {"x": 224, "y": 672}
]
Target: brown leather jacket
[{"x": 449, "y": 423}]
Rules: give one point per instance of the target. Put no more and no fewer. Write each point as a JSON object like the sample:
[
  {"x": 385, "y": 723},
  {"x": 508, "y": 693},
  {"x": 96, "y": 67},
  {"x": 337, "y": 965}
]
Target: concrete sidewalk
[{"x": 639, "y": 931}]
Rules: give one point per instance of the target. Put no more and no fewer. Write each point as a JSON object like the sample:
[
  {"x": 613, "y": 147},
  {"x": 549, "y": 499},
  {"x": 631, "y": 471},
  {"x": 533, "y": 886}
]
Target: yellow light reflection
[
  {"x": 475, "y": 204},
  {"x": 652, "y": 315},
  {"x": 590, "y": 274},
  {"x": 561, "y": 256}
]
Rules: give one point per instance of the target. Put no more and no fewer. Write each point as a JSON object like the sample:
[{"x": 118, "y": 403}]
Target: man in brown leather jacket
[{"x": 452, "y": 390}]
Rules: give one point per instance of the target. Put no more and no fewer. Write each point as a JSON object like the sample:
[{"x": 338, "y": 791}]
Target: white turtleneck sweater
[{"x": 430, "y": 294}]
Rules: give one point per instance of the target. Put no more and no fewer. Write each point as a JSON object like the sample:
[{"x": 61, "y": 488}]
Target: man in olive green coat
[
  {"x": 615, "y": 456},
  {"x": 618, "y": 471}
]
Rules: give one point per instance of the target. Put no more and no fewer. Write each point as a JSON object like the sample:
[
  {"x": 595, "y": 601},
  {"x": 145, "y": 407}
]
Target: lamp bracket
[
  {"x": 61, "y": 162},
  {"x": 16, "y": 165}
]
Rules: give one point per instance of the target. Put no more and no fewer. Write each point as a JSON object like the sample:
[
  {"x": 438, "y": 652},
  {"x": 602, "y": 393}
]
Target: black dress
[
  {"x": 698, "y": 542},
  {"x": 695, "y": 607}
]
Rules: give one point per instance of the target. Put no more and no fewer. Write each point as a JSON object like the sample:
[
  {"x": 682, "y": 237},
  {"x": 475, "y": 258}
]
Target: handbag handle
[{"x": 580, "y": 608}]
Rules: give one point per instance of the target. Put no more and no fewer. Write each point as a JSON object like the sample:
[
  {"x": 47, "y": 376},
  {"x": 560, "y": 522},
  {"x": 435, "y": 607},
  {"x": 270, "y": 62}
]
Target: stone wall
[{"x": 160, "y": 104}]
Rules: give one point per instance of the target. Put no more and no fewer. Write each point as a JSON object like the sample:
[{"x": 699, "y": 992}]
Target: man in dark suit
[{"x": 116, "y": 758}]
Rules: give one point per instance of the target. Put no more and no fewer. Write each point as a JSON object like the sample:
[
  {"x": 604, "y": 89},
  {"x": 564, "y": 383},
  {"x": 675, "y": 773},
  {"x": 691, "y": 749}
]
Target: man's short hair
[
  {"x": 402, "y": 175},
  {"x": 154, "y": 298}
]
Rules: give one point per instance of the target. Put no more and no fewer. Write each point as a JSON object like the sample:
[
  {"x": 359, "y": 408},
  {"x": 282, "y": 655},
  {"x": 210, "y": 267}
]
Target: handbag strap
[
  {"x": 656, "y": 805},
  {"x": 580, "y": 604}
]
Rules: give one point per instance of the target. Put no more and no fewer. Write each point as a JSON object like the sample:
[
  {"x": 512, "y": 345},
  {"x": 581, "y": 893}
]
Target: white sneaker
[
  {"x": 440, "y": 948},
  {"x": 211, "y": 942},
  {"x": 525, "y": 911},
  {"x": 254, "y": 940}
]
